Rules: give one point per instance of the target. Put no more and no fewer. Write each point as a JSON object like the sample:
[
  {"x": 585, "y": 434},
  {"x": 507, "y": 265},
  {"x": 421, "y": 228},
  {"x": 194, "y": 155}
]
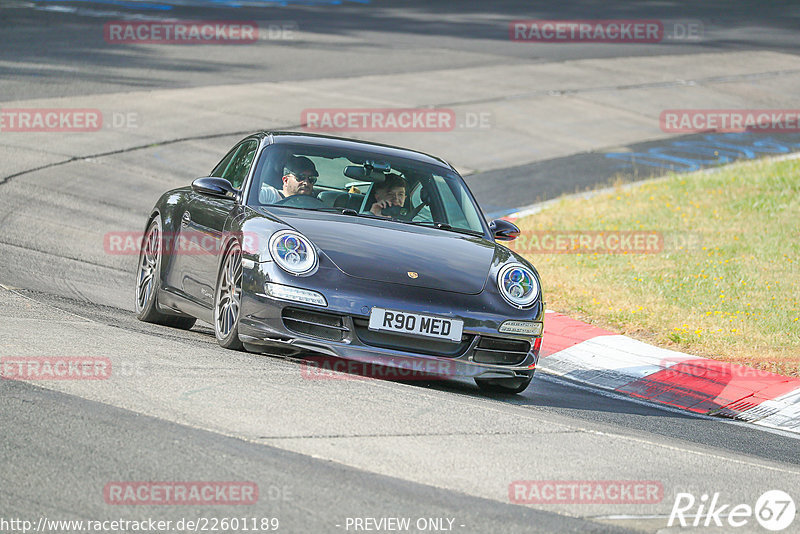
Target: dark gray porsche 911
[{"x": 348, "y": 249}]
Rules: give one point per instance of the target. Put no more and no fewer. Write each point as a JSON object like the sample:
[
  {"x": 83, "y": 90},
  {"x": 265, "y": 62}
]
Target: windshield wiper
[
  {"x": 446, "y": 227},
  {"x": 351, "y": 212},
  {"x": 343, "y": 211}
]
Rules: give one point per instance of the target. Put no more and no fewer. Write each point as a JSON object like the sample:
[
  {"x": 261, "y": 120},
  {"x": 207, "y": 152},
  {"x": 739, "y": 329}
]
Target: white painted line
[
  {"x": 611, "y": 394},
  {"x": 607, "y": 363},
  {"x": 544, "y": 374}
]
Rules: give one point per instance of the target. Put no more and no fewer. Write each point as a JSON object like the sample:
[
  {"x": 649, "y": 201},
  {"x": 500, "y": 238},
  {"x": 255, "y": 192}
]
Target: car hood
[{"x": 386, "y": 251}]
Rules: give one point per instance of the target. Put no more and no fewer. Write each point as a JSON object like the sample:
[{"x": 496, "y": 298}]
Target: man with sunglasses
[{"x": 299, "y": 176}]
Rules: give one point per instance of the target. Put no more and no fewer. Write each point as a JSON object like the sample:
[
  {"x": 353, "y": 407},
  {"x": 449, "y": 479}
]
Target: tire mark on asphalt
[
  {"x": 548, "y": 92},
  {"x": 154, "y": 144},
  {"x": 113, "y": 317},
  {"x": 422, "y": 434},
  {"x": 79, "y": 260},
  {"x": 648, "y": 85}
]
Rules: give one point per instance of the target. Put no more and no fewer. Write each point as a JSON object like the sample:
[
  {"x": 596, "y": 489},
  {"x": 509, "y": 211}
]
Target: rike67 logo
[{"x": 774, "y": 510}]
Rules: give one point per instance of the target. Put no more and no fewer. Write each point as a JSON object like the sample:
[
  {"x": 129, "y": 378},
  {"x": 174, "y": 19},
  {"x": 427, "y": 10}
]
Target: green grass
[{"x": 726, "y": 284}]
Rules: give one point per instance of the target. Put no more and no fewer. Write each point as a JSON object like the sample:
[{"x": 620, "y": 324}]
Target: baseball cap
[{"x": 300, "y": 165}]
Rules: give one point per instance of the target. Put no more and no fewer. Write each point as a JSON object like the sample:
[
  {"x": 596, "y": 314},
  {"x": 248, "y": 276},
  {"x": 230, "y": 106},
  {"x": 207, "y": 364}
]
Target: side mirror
[
  {"x": 214, "y": 187},
  {"x": 503, "y": 230}
]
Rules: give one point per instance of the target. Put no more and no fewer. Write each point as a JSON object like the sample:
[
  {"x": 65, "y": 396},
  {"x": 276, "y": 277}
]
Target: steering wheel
[
  {"x": 398, "y": 212},
  {"x": 300, "y": 201}
]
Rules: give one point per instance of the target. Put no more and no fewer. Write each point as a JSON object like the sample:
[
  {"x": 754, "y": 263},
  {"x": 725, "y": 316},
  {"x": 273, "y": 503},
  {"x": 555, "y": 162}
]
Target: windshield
[{"x": 362, "y": 183}]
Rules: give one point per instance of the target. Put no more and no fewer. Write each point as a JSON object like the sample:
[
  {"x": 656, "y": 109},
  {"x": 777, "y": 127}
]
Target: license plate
[{"x": 415, "y": 324}]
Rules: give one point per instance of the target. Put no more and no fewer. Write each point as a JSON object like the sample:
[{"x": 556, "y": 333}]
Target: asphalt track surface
[
  {"x": 58, "y": 53},
  {"x": 320, "y": 451}
]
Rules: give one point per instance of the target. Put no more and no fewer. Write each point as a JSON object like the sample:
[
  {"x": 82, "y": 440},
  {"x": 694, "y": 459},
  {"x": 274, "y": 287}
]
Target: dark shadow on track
[{"x": 37, "y": 45}]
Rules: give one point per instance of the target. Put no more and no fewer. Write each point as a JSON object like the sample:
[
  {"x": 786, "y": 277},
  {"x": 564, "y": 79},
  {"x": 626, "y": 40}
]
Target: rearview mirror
[
  {"x": 356, "y": 172},
  {"x": 214, "y": 187},
  {"x": 372, "y": 171},
  {"x": 503, "y": 230}
]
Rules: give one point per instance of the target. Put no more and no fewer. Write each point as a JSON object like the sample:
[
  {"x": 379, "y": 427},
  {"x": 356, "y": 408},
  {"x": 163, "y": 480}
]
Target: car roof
[{"x": 278, "y": 137}]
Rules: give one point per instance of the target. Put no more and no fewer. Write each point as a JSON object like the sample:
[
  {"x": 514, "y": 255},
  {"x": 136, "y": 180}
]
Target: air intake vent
[
  {"x": 501, "y": 351},
  {"x": 322, "y": 325}
]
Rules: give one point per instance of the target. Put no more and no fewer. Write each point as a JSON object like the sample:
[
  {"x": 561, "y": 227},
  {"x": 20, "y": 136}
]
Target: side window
[
  {"x": 241, "y": 163},
  {"x": 470, "y": 213},
  {"x": 222, "y": 165},
  {"x": 424, "y": 212},
  {"x": 452, "y": 206}
]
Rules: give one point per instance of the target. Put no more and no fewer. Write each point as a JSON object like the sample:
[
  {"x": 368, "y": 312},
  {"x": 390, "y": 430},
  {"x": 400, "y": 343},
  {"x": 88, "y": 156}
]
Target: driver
[{"x": 299, "y": 177}]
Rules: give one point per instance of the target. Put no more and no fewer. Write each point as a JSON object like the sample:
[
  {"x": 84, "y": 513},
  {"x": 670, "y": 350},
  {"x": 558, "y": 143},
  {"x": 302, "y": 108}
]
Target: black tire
[
  {"x": 148, "y": 281},
  {"x": 227, "y": 299},
  {"x": 504, "y": 385}
]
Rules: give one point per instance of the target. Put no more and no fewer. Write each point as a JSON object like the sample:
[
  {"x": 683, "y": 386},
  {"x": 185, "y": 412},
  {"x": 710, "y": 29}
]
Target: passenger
[
  {"x": 299, "y": 177},
  {"x": 391, "y": 192}
]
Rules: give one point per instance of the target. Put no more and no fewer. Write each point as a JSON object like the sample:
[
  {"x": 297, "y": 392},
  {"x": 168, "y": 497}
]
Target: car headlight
[
  {"x": 293, "y": 252},
  {"x": 518, "y": 285}
]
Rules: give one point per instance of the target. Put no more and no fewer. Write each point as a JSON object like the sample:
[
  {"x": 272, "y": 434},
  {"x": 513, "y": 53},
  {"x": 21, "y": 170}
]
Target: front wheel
[
  {"x": 148, "y": 281},
  {"x": 228, "y": 299},
  {"x": 504, "y": 385}
]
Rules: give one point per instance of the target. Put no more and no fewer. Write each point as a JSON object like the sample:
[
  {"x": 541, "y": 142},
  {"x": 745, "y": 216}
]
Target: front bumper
[{"x": 350, "y": 300}]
